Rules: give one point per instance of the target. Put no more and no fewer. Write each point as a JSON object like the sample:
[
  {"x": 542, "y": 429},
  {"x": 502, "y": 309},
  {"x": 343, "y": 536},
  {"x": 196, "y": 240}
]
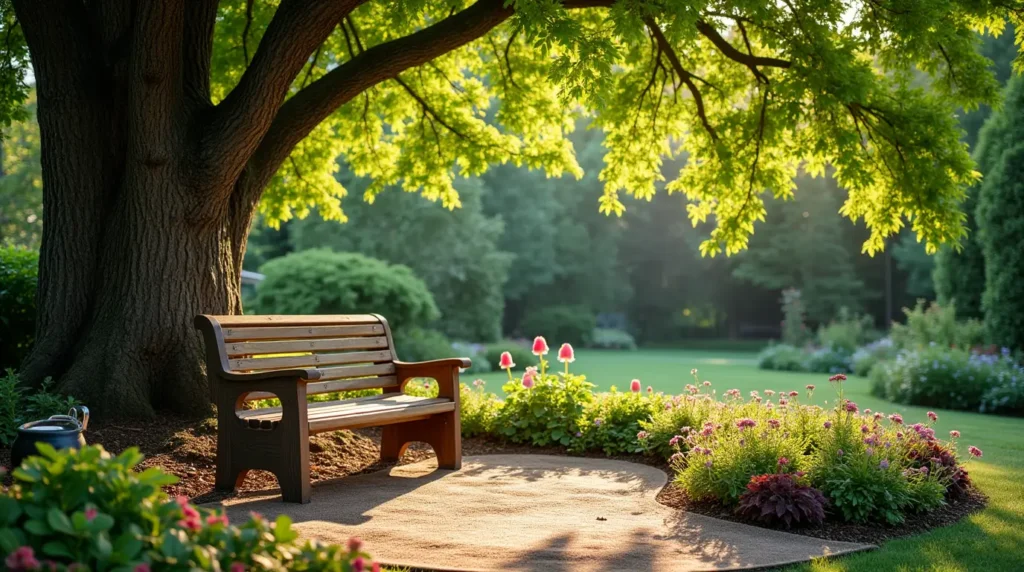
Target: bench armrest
[
  {"x": 296, "y": 374},
  {"x": 431, "y": 368},
  {"x": 445, "y": 371}
]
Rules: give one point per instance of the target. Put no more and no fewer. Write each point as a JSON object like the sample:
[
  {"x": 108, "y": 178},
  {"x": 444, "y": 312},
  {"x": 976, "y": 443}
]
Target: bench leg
[
  {"x": 441, "y": 432},
  {"x": 291, "y": 467},
  {"x": 230, "y": 470}
]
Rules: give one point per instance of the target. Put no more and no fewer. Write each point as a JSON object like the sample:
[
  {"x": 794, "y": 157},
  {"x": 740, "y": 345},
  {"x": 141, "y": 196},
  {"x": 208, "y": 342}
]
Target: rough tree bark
[{"x": 150, "y": 189}]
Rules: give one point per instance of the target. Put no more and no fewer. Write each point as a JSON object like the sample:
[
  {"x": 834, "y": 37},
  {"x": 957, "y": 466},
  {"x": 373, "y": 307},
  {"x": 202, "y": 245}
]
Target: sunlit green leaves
[{"x": 843, "y": 88}]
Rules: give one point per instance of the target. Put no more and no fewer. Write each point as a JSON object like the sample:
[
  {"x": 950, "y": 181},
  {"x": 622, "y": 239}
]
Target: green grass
[{"x": 991, "y": 540}]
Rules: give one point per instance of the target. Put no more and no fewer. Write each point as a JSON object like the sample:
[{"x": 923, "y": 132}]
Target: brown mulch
[{"x": 187, "y": 448}]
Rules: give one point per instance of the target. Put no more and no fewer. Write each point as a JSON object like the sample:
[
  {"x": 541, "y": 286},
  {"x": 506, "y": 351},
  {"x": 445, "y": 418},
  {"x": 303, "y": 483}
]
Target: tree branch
[
  {"x": 155, "y": 88},
  {"x": 727, "y": 49},
  {"x": 240, "y": 121},
  {"x": 304, "y": 111},
  {"x": 200, "y": 16},
  {"x": 684, "y": 75}
]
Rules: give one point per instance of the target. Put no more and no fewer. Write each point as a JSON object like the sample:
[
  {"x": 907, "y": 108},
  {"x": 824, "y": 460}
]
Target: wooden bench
[{"x": 293, "y": 357}]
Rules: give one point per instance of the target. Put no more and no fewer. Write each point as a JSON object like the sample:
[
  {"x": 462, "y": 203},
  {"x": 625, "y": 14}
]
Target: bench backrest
[{"x": 351, "y": 352}]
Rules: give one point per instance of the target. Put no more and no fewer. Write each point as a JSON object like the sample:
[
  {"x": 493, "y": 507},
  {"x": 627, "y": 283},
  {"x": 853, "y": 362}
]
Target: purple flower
[
  {"x": 851, "y": 407},
  {"x": 708, "y": 463},
  {"x": 598, "y": 422},
  {"x": 896, "y": 418},
  {"x": 932, "y": 416},
  {"x": 839, "y": 452},
  {"x": 884, "y": 463},
  {"x": 774, "y": 423},
  {"x": 828, "y": 425},
  {"x": 974, "y": 451}
]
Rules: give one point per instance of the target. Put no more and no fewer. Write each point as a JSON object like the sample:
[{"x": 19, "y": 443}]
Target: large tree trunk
[{"x": 149, "y": 189}]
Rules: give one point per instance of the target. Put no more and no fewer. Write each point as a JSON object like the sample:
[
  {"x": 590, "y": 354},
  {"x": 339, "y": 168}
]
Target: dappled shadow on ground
[{"x": 530, "y": 512}]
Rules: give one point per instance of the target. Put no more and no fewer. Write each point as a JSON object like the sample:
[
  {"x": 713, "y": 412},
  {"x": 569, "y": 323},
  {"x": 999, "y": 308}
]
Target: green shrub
[
  {"x": 521, "y": 354},
  {"x": 724, "y": 454},
  {"x": 847, "y": 332},
  {"x": 667, "y": 425},
  {"x": 611, "y": 339},
  {"x": 935, "y": 376},
  {"x": 937, "y": 325},
  {"x": 323, "y": 282},
  {"x": 88, "y": 510},
  {"x": 421, "y": 344},
  {"x": 782, "y": 357},
  {"x": 19, "y": 405},
  {"x": 861, "y": 491},
  {"x": 548, "y": 413},
  {"x": 477, "y": 353},
  {"x": 829, "y": 360},
  {"x": 19, "y": 268},
  {"x": 866, "y": 357},
  {"x": 478, "y": 409},
  {"x": 611, "y": 421},
  {"x": 560, "y": 324}
]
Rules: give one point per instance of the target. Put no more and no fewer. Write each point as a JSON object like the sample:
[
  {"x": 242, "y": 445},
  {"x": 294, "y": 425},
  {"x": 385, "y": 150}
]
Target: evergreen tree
[
  {"x": 959, "y": 276},
  {"x": 1000, "y": 217}
]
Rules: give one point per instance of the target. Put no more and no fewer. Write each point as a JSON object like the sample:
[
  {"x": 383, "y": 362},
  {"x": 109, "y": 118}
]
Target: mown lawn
[{"x": 992, "y": 540}]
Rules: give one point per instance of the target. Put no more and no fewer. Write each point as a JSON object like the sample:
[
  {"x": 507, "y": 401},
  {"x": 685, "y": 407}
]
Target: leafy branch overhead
[{"x": 421, "y": 92}]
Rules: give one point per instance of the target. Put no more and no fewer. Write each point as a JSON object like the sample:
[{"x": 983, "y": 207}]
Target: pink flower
[
  {"x": 90, "y": 514},
  {"x": 650, "y": 390},
  {"x": 793, "y": 393},
  {"x": 505, "y": 361},
  {"x": 706, "y": 384},
  {"x": 769, "y": 392},
  {"x": 141, "y": 567},
  {"x": 837, "y": 377},
  {"x": 358, "y": 564},
  {"x": 540, "y": 346},
  {"x": 810, "y": 388},
  {"x": 851, "y": 407},
  {"x": 354, "y": 544},
  {"x": 565, "y": 354},
  {"x": 783, "y": 402},
  {"x": 375, "y": 567},
  {"x": 528, "y": 379},
  {"x": 867, "y": 412},
  {"x": 896, "y": 418},
  {"x": 237, "y": 567},
  {"x": 774, "y": 423},
  {"x": 974, "y": 451},
  {"x": 23, "y": 558},
  {"x": 931, "y": 415},
  {"x": 839, "y": 452},
  {"x": 642, "y": 435},
  {"x": 193, "y": 524},
  {"x": 745, "y": 423},
  {"x": 864, "y": 429},
  {"x": 634, "y": 386},
  {"x": 954, "y": 434},
  {"x": 675, "y": 440},
  {"x": 828, "y": 425},
  {"x": 783, "y": 461},
  {"x": 217, "y": 519},
  {"x": 708, "y": 463}
]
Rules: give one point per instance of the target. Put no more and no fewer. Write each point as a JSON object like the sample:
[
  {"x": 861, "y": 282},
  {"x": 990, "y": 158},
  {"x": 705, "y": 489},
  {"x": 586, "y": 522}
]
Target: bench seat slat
[
  {"x": 341, "y": 407},
  {"x": 296, "y": 320},
  {"x": 318, "y": 387},
  {"x": 308, "y": 360},
  {"x": 237, "y": 349},
  {"x": 330, "y": 415},
  {"x": 300, "y": 332}
]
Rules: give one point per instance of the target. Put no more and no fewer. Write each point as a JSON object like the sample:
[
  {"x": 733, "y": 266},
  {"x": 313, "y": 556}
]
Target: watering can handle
[{"x": 80, "y": 413}]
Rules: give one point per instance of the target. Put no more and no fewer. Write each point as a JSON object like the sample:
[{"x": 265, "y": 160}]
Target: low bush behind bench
[{"x": 292, "y": 357}]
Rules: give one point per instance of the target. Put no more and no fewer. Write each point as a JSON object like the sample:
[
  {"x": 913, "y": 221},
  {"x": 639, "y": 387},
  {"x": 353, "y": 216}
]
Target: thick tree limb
[
  {"x": 155, "y": 90},
  {"x": 239, "y": 122},
  {"x": 303, "y": 112},
  {"x": 200, "y": 16},
  {"x": 727, "y": 49}
]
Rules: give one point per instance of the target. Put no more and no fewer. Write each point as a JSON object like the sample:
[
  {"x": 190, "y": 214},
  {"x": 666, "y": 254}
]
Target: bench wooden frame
[{"x": 323, "y": 354}]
